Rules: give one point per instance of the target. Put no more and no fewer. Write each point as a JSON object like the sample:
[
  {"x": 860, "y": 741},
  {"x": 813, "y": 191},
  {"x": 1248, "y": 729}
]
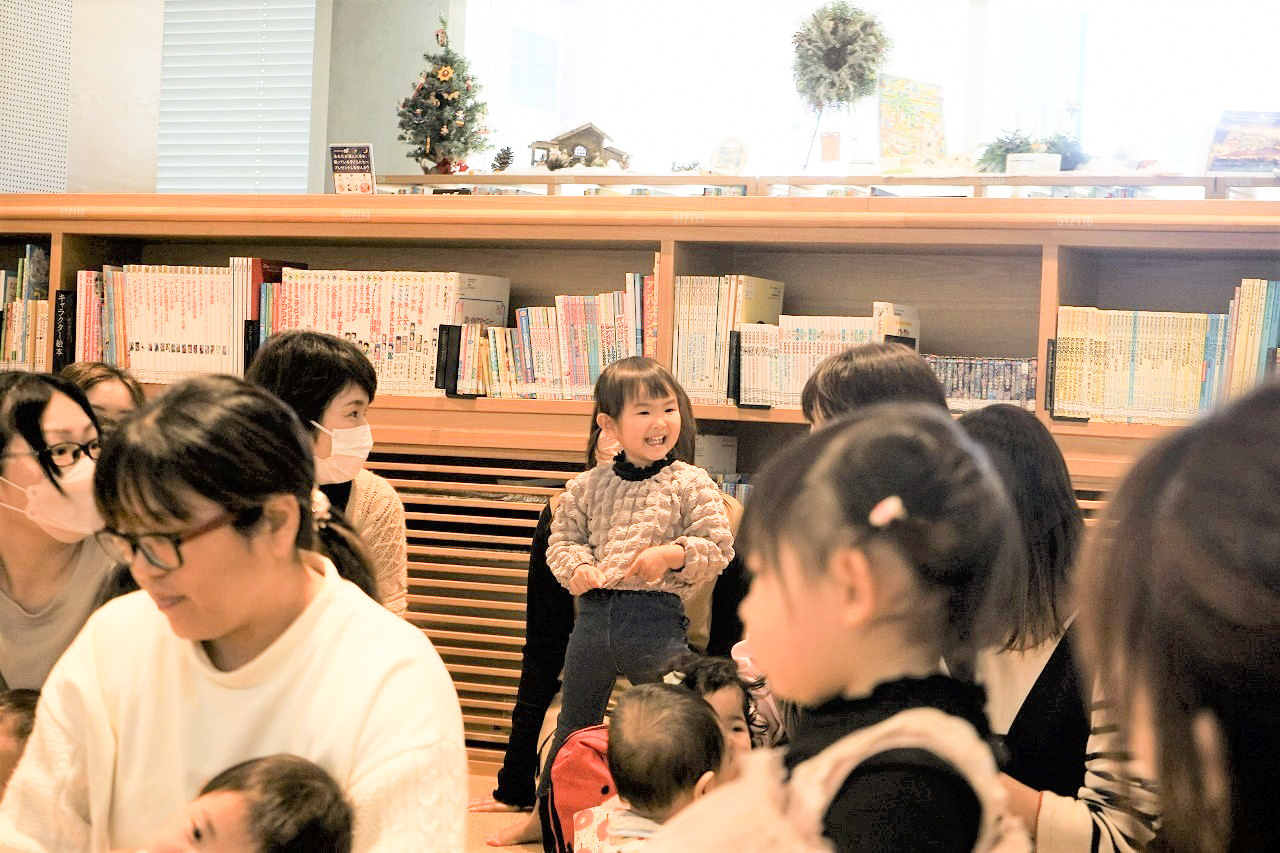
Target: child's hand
[
  {"x": 585, "y": 577},
  {"x": 652, "y": 563}
]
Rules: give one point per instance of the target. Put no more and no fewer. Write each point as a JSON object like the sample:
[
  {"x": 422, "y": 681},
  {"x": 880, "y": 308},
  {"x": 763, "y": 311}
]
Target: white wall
[{"x": 115, "y": 95}]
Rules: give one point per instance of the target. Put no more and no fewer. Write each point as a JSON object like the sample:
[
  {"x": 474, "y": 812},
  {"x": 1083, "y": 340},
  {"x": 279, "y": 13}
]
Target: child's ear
[
  {"x": 281, "y": 515},
  {"x": 606, "y": 423},
  {"x": 855, "y": 584},
  {"x": 704, "y": 784}
]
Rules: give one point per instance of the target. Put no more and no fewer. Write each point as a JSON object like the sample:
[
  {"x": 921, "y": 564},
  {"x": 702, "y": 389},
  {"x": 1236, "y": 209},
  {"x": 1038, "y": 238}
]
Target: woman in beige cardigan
[{"x": 330, "y": 383}]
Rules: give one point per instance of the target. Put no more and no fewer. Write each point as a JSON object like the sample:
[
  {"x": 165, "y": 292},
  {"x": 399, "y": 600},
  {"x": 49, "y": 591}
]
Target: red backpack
[{"x": 580, "y": 779}]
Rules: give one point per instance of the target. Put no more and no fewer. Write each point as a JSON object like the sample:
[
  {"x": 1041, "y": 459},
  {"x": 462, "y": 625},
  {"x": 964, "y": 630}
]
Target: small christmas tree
[
  {"x": 443, "y": 119},
  {"x": 503, "y": 160}
]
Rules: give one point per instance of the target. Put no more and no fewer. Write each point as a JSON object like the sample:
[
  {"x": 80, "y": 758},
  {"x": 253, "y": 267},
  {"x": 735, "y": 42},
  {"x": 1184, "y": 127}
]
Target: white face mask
[
  {"x": 349, "y": 449},
  {"x": 70, "y": 515}
]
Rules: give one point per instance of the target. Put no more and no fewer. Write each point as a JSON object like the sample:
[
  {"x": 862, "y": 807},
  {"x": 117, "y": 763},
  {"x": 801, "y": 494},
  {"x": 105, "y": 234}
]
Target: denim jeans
[{"x": 634, "y": 633}]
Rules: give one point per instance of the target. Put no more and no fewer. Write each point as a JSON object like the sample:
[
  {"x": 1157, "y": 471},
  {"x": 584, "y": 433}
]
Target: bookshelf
[{"x": 987, "y": 275}]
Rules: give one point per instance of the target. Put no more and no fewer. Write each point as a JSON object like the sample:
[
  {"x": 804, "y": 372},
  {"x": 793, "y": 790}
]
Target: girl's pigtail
[{"x": 342, "y": 544}]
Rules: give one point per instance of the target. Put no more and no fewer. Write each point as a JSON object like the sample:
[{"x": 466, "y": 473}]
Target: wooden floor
[{"x": 480, "y": 826}]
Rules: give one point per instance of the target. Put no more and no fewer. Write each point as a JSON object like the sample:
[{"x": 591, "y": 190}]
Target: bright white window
[{"x": 235, "y": 100}]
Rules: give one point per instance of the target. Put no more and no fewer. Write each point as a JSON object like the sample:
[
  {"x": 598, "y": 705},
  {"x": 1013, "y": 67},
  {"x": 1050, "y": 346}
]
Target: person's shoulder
[
  {"x": 688, "y": 472},
  {"x": 374, "y": 484}
]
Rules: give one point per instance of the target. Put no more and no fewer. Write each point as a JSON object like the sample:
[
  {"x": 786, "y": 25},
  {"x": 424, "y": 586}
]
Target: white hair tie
[{"x": 886, "y": 512}]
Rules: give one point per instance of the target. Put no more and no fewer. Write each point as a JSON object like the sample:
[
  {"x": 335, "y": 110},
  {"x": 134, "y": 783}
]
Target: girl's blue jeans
[{"x": 634, "y": 633}]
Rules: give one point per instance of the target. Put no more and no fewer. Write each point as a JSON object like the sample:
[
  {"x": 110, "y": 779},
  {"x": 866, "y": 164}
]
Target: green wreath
[{"x": 839, "y": 51}]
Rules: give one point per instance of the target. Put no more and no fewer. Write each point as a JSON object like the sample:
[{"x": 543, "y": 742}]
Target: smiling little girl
[{"x": 632, "y": 540}]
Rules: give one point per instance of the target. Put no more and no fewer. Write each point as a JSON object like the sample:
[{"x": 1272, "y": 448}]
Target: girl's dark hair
[
  {"x": 957, "y": 531},
  {"x": 1180, "y": 606},
  {"x": 308, "y": 369},
  {"x": 23, "y": 399},
  {"x": 629, "y": 378},
  {"x": 866, "y": 374},
  {"x": 1035, "y": 475},
  {"x": 661, "y": 740},
  {"x": 294, "y": 805},
  {"x": 231, "y": 443},
  {"x": 706, "y": 674},
  {"x": 87, "y": 374}
]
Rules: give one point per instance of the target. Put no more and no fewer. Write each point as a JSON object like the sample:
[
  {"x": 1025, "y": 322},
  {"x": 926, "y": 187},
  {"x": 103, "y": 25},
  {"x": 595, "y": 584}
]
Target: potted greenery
[{"x": 1057, "y": 152}]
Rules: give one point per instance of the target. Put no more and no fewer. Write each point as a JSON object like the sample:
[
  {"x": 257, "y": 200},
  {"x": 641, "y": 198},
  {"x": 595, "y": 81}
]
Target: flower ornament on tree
[
  {"x": 839, "y": 51},
  {"x": 441, "y": 133}
]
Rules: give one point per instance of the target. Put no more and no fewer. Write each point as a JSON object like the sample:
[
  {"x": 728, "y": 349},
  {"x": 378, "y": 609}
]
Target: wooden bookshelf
[{"x": 988, "y": 276}]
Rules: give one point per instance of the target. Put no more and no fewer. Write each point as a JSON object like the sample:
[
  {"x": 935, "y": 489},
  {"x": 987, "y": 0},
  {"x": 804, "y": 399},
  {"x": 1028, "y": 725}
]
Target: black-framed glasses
[
  {"x": 64, "y": 454},
  {"x": 162, "y": 550}
]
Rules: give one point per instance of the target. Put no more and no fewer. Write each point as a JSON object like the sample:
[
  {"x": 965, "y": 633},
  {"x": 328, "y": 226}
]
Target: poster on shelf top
[
  {"x": 1246, "y": 142},
  {"x": 352, "y": 165}
]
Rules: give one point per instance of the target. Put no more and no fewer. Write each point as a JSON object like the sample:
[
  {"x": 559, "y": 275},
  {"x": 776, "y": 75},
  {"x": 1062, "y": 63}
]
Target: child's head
[
  {"x": 17, "y": 716},
  {"x": 879, "y": 537},
  {"x": 641, "y": 405},
  {"x": 867, "y": 374},
  {"x": 1180, "y": 606},
  {"x": 665, "y": 749},
  {"x": 1035, "y": 476},
  {"x": 277, "y": 804},
  {"x": 718, "y": 681}
]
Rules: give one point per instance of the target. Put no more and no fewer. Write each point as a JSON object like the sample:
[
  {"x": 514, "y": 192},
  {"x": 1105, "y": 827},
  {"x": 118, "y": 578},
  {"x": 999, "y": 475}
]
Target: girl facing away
[
  {"x": 631, "y": 540},
  {"x": 878, "y": 545},
  {"x": 1066, "y": 775},
  {"x": 243, "y": 641},
  {"x": 1180, "y": 611}
]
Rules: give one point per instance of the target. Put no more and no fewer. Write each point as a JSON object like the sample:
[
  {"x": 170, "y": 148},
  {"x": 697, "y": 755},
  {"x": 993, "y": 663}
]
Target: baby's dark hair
[
  {"x": 706, "y": 674},
  {"x": 1036, "y": 478},
  {"x": 18, "y": 710},
  {"x": 625, "y": 380},
  {"x": 661, "y": 740},
  {"x": 294, "y": 805},
  {"x": 868, "y": 374},
  {"x": 955, "y": 528}
]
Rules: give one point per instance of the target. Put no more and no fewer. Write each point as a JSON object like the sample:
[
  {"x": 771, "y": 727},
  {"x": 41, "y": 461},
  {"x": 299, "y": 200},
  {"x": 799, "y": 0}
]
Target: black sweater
[{"x": 903, "y": 799}]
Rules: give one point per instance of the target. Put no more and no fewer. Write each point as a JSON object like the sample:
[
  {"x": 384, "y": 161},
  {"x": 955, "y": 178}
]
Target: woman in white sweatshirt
[{"x": 243, "y": 641}]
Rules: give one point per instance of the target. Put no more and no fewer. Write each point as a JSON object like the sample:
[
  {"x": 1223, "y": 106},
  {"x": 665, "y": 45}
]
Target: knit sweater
[
  {"x": 134, "y": 720},
  {"x": 31, "y": 643},
  {"x": 611, "y": 513},
  {"x": 377, "y": 514}
]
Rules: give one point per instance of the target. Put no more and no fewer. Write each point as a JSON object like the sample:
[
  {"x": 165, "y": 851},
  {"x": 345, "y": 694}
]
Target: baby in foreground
[{"x": 277, "y": 804}]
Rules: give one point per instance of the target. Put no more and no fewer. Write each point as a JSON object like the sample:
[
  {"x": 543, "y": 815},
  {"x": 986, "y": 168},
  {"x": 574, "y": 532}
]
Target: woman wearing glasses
[
  {"x": 244, "y": 641},
  {"x": 50, "y": 567}
]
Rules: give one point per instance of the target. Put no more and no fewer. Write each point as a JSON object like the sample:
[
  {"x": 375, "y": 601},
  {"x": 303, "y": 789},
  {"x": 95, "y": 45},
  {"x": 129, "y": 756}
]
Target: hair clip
[
  {"x": 675, "y": 678},
  {"x": 320, "y": 507},
  {"x": 886, "y": 512}
]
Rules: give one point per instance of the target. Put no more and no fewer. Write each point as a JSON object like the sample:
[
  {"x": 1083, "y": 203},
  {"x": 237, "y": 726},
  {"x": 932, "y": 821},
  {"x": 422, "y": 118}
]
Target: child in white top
[{"x": 632, "y": 540}]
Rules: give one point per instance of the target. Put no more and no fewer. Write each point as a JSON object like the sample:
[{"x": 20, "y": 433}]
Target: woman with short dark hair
[{"x": 330, "y": 383}]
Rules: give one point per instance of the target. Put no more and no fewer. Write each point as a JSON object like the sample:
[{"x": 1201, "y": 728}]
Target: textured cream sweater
[
  {"x": 134, "y": 720},
  {"x": 606, "y": 520},
  {"x": 377, "y": 514}
]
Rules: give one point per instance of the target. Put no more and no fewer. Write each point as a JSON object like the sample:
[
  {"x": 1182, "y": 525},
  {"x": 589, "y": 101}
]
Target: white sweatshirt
[{"x": 133, "y": 721}]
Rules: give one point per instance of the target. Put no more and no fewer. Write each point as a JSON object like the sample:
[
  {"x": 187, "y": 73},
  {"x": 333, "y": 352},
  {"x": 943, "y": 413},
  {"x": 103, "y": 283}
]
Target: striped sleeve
[{"x": 1114, "y": 811}]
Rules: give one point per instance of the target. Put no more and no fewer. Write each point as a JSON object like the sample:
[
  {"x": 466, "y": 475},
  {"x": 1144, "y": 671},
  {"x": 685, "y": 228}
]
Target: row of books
[
  {"x": 552, "y": 353},
  {"x": 971, "y": 383},
  {"x": 774, "y": 360},
  {"x": 24, "y": 324},
  {"x": 1150, "y": 367},
  {"x": 1163, "y": 367}
]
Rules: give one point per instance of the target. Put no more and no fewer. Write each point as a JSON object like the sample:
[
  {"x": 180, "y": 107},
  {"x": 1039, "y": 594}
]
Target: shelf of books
[{"x": 489, "y": 317}]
